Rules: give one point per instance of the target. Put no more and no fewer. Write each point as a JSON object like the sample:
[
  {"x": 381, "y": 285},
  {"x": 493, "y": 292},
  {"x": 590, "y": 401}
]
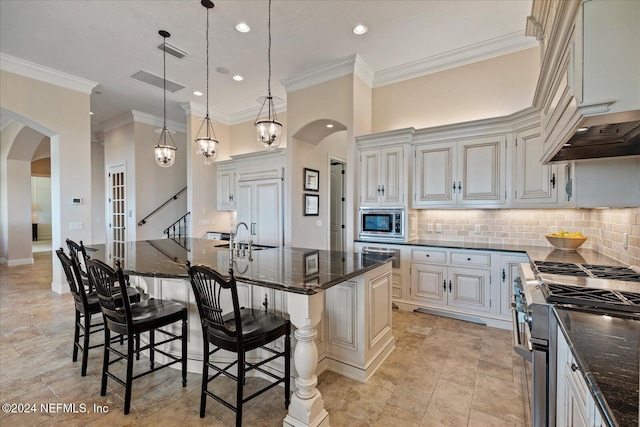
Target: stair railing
[
  {"x": 178, "y": 230},
  {"x": 143, "y": 221}
]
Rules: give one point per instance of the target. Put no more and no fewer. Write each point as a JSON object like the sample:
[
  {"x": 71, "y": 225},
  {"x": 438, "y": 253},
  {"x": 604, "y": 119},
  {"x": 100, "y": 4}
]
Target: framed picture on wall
[
  {"x": 311, "y": 180},
  {"x": 311, "y": 202}
]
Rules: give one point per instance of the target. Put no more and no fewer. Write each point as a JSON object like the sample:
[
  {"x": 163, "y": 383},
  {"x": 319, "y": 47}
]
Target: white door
[
  {"x": 267, "y": 213},
  {"x": 428, "y": 283},
  {"x": 336, "y": 237},
  {"x": 117, "y": 235},
  {"x": 469, "y": 289},
  {"x": 244, "y": 210},
  {"x": 391, "y": 182},
  {"x": 369, "y": 177},
  {"x": 536, "y": 183}
]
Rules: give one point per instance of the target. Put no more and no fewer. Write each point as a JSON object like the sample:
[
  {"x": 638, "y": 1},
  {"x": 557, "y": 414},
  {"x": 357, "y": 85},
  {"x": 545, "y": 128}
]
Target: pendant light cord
[
  {"x": 164, "y": 86},
  {"x": 207, "y": 65},
  {"x": 269, "y": 52}
]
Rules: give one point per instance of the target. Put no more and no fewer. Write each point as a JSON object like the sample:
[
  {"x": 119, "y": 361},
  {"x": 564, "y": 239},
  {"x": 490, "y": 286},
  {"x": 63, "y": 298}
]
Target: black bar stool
[
  {"x": 124, "y": 318},
  {"x": 240, "y": 331}
]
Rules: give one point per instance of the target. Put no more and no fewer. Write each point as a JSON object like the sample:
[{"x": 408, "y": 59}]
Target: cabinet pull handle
[
  {"x": 383, "y": 189},
  {"x": 553, "y": 180},
  {"x": 444, "y": 285},
  {"x": 454, "y": 186},
  {"x": 468, "y": 259},
  {"x": 449, "y": 285},
  {"x": 504, "y": 275},
  {"x": 574, "y": 367},
  {"x": 253, "y": 228},
  {"x": 459, "y": 186},
  {"x": 378, "y": 190}
]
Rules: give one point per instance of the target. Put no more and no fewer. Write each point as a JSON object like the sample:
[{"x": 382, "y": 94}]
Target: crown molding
[
  {"x": 352, "y": 64},
  {"x": 191, "y": 108},
  {"x": 140, "y": 117},
  {"x": 45, "y": 74},
  {"x": 492, "y": 48},
  {"x": 251, "y": 113}
]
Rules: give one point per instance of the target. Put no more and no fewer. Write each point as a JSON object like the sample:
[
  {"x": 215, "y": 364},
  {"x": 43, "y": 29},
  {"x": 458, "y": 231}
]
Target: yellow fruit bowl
[{"x": 566, "y": 243}]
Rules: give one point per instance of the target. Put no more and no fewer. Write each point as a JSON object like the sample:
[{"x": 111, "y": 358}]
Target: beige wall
[
  {"x": 37, "y": 104},
  {"x": 528, "y": 227},
  {"x": 98, "y": 198},
  {"x": 490, "y": 88}
]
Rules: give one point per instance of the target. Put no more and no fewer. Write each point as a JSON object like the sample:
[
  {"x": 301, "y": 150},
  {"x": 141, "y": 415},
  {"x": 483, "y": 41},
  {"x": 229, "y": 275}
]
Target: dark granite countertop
[
  {"x": 299, "y": 270},
  {"x": 536, "y": 253},
  {"x": 607, "y": 352}
]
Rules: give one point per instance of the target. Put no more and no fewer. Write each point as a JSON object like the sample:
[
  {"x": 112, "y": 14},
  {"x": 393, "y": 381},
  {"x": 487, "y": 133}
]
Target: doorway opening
[{"x": 337, "y": 205}]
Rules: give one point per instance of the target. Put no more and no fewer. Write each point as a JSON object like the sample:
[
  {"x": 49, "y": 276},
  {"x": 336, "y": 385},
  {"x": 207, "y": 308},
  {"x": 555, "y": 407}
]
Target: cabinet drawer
[
  {"x": 428, "y": 255},
  {"x": 471, "y": 258}
]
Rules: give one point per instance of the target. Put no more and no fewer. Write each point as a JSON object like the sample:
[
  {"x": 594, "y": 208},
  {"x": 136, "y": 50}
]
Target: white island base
[{"x": 345, "y": 329}]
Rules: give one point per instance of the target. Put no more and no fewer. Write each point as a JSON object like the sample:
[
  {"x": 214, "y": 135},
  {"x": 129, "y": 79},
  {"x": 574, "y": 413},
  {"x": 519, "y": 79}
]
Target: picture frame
[
  {"x": 311, "y": 180},
  {"x": 311, "y": 263},
  {"x": 311, "y": 205}
]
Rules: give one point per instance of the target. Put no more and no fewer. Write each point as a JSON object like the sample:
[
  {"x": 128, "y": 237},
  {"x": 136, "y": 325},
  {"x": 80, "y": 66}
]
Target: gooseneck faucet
[{"x": 233, "y": 234}]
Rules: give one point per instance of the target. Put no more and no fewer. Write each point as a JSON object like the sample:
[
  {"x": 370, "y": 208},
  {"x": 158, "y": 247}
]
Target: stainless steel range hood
[{"x": 611, "y": 135}]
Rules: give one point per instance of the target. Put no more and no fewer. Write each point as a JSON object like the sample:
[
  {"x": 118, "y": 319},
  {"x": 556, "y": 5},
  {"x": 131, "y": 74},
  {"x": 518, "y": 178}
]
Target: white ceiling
[{"x": 108, "y": 41}]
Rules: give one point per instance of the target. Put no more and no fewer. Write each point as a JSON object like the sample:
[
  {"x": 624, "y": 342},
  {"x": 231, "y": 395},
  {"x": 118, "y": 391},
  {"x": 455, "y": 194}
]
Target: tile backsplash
[{"x": 605, "y": 227}]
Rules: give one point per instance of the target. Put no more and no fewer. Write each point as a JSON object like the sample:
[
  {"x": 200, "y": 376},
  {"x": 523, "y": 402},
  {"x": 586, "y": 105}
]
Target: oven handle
[
  {"x": 378, "y": 251},
  {"x": 523, "y": 350}
]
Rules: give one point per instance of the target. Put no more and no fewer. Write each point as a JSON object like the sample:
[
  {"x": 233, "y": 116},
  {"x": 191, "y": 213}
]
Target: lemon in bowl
[{"x": 566, "y": 241}]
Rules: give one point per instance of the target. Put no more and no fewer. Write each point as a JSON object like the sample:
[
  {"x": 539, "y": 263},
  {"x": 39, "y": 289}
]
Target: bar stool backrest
[
  {"x": 72, "y": 273},
  {"x": 116, "y": 309}
]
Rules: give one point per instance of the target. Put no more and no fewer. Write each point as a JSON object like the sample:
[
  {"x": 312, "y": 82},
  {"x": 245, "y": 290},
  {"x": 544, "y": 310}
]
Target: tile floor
[{"x": 443, "y": 372}]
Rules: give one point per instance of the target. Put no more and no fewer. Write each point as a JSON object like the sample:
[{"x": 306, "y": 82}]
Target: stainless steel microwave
[{"x": 382, "y": 223}]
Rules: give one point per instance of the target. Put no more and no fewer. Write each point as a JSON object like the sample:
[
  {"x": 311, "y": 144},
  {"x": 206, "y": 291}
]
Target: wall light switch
[
  {"x": 478, "y": 229},
  {"x": 318, "y": 223},
  {"x": 438, "y": 227},
  {"x": 75, "y": 226},
  {"x": 625, "y": 240}
]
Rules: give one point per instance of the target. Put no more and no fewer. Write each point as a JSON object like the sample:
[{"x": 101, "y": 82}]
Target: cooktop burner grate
[
  {"x": 587, "y": 270},
  {"x": 612, "y": 272},
  {"x": 564, "y": 268},
  {"x": 615, "y": 301}
]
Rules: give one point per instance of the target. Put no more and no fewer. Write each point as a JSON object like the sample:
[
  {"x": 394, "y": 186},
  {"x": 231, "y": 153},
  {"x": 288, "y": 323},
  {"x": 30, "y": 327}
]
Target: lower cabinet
[
  {"x": 509, "y": 272},
  {"x": 575, "y": 407}
]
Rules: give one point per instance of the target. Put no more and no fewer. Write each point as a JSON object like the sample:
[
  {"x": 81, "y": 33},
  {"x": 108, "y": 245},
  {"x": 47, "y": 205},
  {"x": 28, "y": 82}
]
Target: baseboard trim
[{"x": 23, "y": 261}]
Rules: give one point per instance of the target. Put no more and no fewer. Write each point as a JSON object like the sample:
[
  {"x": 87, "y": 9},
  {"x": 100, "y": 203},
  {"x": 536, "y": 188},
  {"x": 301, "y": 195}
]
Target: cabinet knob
[
  {"x": 504, "y": 275},
  {"x": 449, "y": 285},
  {"x": 553, "y": 180},
  {"x": 574, "y": 367},
  {"x": 427, "y": 255}
]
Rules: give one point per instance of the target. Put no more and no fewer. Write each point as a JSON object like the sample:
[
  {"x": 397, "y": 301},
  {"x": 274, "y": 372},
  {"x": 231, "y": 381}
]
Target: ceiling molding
[
  {"x": 492, "y": 48},
  {"x": 352, "y": 64},
  {"x": 45, "y": 74},
  {"x": 140, "y": 117},
  {"x": 200, "y": 110}
]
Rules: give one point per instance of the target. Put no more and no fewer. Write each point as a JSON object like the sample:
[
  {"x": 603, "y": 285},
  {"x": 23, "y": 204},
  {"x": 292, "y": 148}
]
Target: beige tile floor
[{"x": 443, "y": 372}]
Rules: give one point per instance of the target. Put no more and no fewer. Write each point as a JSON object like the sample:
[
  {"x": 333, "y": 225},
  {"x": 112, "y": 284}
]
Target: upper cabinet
[
  {"x": 590, "y": 63},
  {"x": 469, "y": 172},
  {"x": 226, "y": 186},
  {"x": 384, "y": 171}
]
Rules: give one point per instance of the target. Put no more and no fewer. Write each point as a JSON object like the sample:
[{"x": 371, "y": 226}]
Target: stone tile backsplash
[{"x": 605, "y": 227}]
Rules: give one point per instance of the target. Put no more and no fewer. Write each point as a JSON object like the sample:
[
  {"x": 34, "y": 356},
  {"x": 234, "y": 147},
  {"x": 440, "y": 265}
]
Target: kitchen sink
[{"x": 245, "y": 246}]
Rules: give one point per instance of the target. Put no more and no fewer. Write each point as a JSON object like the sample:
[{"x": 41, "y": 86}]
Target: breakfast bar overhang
[{"x": 338, "y": 302}]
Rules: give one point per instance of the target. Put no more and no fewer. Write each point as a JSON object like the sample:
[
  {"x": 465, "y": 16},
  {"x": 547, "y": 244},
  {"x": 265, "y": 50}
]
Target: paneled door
[{"x": 117, "y": 233}]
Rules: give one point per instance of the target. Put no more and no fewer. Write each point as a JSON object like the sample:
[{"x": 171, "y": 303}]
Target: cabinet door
[
  {"x": 267, "y": 212},
  {"x": 509, "y": 272},
  {"x": 536, "y": 184},
  {"x": 433, "y": 172},
  {"x": 392, "y": 180},
  {"x": 469, "y": 289},
  {"x": 482, "y": 171},
  {"x": 226, "y": 190},
  {"x": 369, "y": 177},
  {"x": 428, "y": 283},
  {"x": 244, "y": 213}
]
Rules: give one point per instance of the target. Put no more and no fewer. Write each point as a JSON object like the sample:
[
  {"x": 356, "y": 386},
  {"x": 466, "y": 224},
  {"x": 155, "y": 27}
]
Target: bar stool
[
  {"x": 239, "y": 331},
  {"x": 124, "y": 318}
]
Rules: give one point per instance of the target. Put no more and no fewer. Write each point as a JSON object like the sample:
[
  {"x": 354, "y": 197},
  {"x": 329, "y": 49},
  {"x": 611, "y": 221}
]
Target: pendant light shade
[
  {"x": 165, "y": 150},
  {"x": 206, "y": 142},
  {"x": 268, "y": 129}
]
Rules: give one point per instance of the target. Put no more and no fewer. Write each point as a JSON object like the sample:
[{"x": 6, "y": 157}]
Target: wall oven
[{"x": 382, "y": 224}]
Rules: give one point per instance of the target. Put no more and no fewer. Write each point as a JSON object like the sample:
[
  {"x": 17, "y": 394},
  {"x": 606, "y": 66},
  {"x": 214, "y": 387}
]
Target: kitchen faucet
[{"x": 233, "y": 234}]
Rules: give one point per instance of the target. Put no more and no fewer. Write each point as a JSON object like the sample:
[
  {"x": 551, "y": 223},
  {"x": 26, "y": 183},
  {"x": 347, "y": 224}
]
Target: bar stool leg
[
  {"x": 205, "y": 379},
  {"x": 85, "y": 345},
  {"x": 76, "y": 337},
  {"x": 105, "y": 361},
  {"x": 129, "y": 380}
]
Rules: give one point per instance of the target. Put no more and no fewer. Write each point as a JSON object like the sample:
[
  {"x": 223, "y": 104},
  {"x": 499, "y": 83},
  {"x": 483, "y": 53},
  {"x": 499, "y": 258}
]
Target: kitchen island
[{"x": 338, "y": 302}]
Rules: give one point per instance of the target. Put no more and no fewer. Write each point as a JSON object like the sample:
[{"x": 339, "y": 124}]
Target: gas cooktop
[
  {"x": 607, "y": 299},
  {"x": 587, "y": 270}
]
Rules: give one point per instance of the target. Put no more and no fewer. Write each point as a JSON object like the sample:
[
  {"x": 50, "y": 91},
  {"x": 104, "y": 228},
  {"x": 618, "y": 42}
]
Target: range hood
[{"x": 612, "y": 135}]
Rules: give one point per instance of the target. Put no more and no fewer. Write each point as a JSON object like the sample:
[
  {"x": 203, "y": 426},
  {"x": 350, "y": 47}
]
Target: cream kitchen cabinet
[
  {"x": 259, "y": 205},
  {"x": 509, "y": 272},
  {"x": 226, "y": 186},
  {"x": 574, "y": 405},
  {"x": 461, "y": 173},
  {"x": 467, "y": 290},
  {"x": 384, "y": 168},
  {"x": 382, "y": 177},
  {"x": 536, "y": 184}
]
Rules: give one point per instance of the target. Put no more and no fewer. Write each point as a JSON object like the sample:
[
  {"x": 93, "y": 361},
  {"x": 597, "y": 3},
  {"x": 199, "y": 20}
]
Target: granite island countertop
[{"x": 299, "y": 270}]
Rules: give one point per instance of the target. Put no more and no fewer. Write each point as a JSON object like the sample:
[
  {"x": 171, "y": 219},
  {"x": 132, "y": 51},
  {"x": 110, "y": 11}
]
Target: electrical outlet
[
  {"x": 430, "y": 228},
  {"x": 625, "y": 240},
  {"x": 438, "y": 227},
  {"x": 318, "y": 223},
  {"x": 75, "y": 226},
  {"x": 478, "y": 229},
  {"x": 203, "y": 222}
]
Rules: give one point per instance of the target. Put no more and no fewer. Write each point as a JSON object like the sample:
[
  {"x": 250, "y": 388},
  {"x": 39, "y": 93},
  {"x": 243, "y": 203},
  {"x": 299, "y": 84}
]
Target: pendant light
[
  {"x": 269, "y": 129},
  {"x": 207, "y": 144},
  {"x": 165, "y": 153}
]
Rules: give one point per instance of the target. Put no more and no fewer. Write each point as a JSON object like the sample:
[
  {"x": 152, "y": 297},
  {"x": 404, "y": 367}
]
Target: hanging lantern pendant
[{"x": 165, "y": 153}]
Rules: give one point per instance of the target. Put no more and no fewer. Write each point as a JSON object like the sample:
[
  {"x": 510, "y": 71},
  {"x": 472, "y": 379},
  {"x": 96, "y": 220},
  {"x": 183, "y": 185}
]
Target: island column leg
[{"x": 306, "y": 407}]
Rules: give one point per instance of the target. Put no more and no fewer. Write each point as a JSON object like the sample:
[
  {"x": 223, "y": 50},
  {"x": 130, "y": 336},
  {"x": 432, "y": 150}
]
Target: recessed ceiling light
[
  {"x": 359, "y": 29},
  {"x": 243, "y": 28},
  {"x": 329, "y": 125},
  {"x": 222, "y": 70},
  {"x": 197, "y": 93},
  {"x": 238, "y": 78}
]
